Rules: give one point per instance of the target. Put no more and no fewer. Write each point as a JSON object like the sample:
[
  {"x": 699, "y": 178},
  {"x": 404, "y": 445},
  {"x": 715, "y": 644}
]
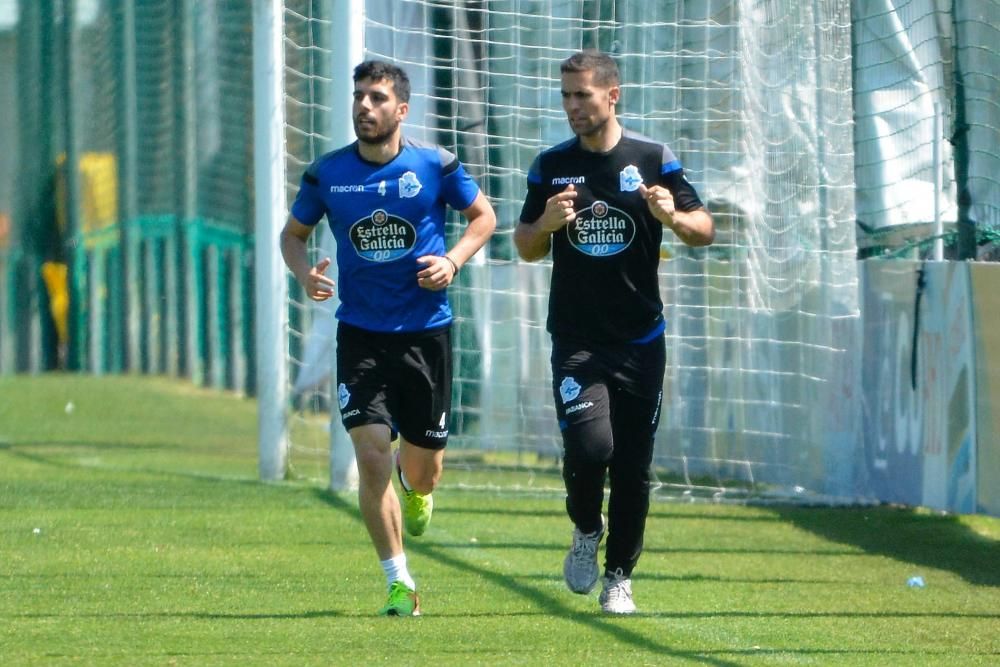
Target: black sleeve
[
  {"x": 534, "y": 202},
  {"x": 685, "y": 196},
  {"x": 449, "y": 161}
]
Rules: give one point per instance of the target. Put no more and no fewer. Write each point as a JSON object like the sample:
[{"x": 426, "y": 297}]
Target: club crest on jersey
[
  {"x": 343, "y": 395},
  {"x": 601, "y": 230},
  {"x": 409, "y": 186},
  {"x": 629, "y": 179},
  {"x": 569, "y": 389},
  {"x": 382, "y": 237}
]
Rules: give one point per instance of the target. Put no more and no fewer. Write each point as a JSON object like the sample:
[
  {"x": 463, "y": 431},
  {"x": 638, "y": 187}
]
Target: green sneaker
[
  {"x": 417, "y": 507},
  {"x": 403, "y": 601}
]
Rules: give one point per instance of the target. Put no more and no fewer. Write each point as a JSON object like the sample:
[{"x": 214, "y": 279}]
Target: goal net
[{"x": 754, "y": 97}]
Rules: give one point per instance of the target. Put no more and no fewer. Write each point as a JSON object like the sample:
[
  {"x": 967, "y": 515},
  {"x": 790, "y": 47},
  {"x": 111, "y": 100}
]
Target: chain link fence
[{"x": 125, "y": 188}]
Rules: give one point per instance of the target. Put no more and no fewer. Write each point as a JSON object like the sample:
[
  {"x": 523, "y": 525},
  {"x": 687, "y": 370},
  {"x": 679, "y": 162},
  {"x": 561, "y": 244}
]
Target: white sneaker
[
  {"x": 616, "y": 596},
  {"x": 580, "y": 567}
]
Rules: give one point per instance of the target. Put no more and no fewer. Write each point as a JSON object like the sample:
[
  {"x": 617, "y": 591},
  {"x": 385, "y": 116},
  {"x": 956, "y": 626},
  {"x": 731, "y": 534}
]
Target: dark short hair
[
  {"x": 601, "y": 64},
  {"x": 377, "y": 70}
]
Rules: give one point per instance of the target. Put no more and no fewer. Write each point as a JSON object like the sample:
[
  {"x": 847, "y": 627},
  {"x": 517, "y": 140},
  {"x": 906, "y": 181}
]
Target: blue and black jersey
[
  {"x": 604, "y": 264},
  {"x": 383, "y": 217}
]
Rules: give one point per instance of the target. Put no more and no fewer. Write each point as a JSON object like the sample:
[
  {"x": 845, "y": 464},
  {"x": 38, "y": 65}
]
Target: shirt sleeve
[
  {"x": 458, "y": 187},
  {"x": 672, "y": 178},
  {"x": 534, "y": 202},
  {"x": 308, "y": 207}
]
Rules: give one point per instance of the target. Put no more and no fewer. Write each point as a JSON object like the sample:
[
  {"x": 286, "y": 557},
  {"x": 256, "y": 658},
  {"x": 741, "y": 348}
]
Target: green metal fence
[{"x": 126, "y": 190}]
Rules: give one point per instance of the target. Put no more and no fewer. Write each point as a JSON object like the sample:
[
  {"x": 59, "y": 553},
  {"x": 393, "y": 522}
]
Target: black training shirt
[{"x": 604, "y": 264}]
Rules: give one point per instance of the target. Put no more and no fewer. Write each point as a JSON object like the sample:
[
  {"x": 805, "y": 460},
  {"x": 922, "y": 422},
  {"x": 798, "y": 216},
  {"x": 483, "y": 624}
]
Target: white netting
[{"x": 755, "y": 99}]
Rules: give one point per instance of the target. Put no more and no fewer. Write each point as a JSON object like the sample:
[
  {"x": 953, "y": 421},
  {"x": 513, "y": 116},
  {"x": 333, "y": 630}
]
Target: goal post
[
  {"x": 333, "y": 44},
  {"x": 347, "y": 50},
  {"x": 271, "y": 286}
]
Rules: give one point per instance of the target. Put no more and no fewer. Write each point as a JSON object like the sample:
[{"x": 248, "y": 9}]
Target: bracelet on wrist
[{"x": 454, "y": 266}]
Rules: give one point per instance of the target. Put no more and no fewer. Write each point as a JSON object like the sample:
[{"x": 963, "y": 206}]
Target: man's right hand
[
  {"x": 317, "y": 285},
  {"x": 559, "y": 210}
]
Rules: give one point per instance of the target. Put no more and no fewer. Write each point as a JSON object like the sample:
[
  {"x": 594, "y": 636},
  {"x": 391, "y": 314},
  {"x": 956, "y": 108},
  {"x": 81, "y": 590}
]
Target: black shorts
[
  {"x": 402, "y": 380},
  {"x": 585, "y": 376}
]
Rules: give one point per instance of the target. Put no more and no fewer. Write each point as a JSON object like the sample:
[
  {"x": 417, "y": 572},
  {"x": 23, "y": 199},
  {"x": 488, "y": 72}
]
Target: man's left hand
[
  {"x": 437, "y": 274},
  {"x": 660, "y": 203}
]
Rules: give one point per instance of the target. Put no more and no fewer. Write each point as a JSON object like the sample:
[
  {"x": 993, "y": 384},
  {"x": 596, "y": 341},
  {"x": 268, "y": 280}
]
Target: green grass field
[{"x": 133, "y": 531}]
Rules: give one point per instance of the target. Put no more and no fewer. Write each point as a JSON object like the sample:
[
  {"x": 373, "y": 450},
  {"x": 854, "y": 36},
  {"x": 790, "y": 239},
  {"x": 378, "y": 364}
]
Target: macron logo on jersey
[
  {"x": 569, "y": 180},
  {"x": 347, "y": 188}
]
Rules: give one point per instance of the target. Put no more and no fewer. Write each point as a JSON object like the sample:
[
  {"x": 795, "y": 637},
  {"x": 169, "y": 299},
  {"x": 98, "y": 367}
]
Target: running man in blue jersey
[
  {"x": 385, "y": 199},
  {"x": 600, "y": 202}
]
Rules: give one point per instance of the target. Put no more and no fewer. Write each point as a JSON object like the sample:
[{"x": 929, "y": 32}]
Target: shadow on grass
[
  {"x": 66, "y": 455},
  {"x": 549, "y": 604},
  {"x": 941, "y": 542},
  {"x": 656, "y": 511},
  {"x": 560, "y": 547},
  {"x": 483, "y": 511},
  {"x": 200, "y": 615},
  {"x": 77, "y": 445}
]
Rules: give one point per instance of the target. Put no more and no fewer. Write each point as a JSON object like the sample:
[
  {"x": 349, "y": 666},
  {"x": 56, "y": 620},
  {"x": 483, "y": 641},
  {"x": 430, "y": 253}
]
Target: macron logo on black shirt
[{"x": 569, "y": 180}]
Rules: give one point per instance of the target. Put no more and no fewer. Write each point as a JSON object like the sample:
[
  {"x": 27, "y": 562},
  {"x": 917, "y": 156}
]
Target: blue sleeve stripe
[
  {"x": 669, "y": 167},
  {"x": 534, "y": 177},
  {"x": 657, "y": 330}
]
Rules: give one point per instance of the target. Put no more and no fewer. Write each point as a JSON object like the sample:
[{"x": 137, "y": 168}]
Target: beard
[
  {"x": 589, "y": 129},
  {"x": 375, "y": 135}
]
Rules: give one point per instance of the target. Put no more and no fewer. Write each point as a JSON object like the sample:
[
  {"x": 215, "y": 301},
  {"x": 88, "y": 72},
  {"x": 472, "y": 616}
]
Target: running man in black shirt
[{"x": 600, "y": 202}]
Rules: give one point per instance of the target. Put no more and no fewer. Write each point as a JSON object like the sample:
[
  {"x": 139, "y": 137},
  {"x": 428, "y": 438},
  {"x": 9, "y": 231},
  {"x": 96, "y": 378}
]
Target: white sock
[{"x": 395, "y": 570}]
